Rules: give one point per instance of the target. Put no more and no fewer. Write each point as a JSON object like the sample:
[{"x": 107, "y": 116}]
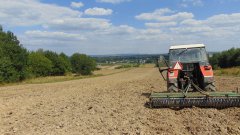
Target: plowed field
[{"x": 112, "y": 104}]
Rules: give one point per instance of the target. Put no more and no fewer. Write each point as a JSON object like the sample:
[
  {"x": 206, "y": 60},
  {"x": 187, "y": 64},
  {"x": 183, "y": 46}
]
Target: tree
[
  {"x": 225, "y": 59},
  {"x": 58, "y": 62},
  {"x": 14, "y": 54},
  {"x": 39, "y": 65},
  {"x": 66, "y": 62},
  {"x": 17, "y": 64},
  {"x": 214, "y": 60},
  {"x": 7, "y": 72},
  {"x": 82, "y": 64}
]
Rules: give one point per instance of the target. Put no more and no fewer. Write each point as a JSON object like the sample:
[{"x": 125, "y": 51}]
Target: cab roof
[{"x": 187, "y": 46}]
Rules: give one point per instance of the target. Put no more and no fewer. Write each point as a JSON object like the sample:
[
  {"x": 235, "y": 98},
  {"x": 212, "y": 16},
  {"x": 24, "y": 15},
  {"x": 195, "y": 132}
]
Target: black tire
[
  {"x": 172, "y": 88},
  {"x": 210, "y": 87}
]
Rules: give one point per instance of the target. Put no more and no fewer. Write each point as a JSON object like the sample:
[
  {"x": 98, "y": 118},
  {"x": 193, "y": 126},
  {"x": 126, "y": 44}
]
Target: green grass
[
  {"x": 127, "y": 66},
  {"x": 51, "y": 79},
  {"x": 235, "y": 71}
]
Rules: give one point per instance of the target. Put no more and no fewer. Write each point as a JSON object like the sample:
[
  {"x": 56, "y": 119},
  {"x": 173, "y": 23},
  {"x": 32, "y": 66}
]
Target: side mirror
[{"x": 162, "y": 66}]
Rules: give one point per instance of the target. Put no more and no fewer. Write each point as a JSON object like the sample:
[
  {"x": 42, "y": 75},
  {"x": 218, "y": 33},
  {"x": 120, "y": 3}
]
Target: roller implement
[{"x": 190, "y": 81}]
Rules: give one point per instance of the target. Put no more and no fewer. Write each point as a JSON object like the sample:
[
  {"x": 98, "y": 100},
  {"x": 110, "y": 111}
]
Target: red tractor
[
  {"x": 189, "y": 65},
  {"x": 190, "y": 81}
]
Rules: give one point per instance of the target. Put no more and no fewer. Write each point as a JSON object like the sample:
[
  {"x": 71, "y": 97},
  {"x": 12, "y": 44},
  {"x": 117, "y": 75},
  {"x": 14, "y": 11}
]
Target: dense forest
[{"x": 17, "y": 63}]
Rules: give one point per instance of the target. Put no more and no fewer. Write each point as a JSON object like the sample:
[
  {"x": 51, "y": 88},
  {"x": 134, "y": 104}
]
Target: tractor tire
[
  {"x": 172, "y": 88},
  {"x": 210, "y": 87}
]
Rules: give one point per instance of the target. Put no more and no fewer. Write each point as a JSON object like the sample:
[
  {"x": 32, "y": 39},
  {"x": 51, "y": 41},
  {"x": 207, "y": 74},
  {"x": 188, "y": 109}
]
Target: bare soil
[{"x": 113, "y": 104}]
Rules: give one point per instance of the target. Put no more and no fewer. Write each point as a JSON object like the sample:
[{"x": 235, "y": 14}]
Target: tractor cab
[{"x": 188, "y": 54}]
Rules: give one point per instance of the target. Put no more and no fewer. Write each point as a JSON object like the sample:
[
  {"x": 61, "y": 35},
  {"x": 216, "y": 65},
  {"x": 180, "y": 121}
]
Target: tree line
[
  {"x": 226, "y": 59},
  {"x": 17, "y": 63}
]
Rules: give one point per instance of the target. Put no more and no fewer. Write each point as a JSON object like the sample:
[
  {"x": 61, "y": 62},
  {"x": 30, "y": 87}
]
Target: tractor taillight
[
  {"x": 207, "y": 67},
  {"x": 171, "y": 70}
]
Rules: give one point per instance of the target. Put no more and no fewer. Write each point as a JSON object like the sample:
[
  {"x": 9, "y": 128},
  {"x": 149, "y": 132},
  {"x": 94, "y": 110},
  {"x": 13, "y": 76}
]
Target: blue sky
[{"x": 122, "y": 26}]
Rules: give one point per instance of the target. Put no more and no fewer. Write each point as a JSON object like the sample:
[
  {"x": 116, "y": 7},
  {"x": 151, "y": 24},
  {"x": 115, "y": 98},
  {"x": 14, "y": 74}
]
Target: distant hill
[
  {"x": 132, "y": 58},
  {"x": 127, "y": 58}
]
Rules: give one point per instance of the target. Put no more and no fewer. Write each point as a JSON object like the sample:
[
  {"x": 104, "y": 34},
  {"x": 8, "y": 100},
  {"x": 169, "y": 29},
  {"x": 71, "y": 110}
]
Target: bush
[
  {"x": 66, "y": 62},
  {"x": 7, "y": 71},
  {"x": 124, "y": 66},
  {"x": 136, "y": 65},
  {"x": 82, "y": 64},
  {"x": 59, "y": 63},
  {"x": 39, "y": 65}
]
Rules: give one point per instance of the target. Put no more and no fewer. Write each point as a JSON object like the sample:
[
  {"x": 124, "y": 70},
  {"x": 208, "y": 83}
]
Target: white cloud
[
  {"x": 113, "y": 1},
  {"x": 98, "y": 11},
  {"x": 191, "y": 22},
  {"x": 187, "y": 3},
  {"x": 32, "y": 12},
  {"x": 224, "y": 19},
  {"x": 37, "y": 34},
  {"x": 153, "y": 15},
  {"x": 78, "y": 24},
  {"x": 218, "y": 30},
  {"x": 77, "y": 4},
  {"x": 190, "y": 30},
  {"x": 118, "y": 30},
  {"x": 158, "y": 25},
  {"x": 196, "y": 2},
  {"x": 66, "y": 28},
  {"x": 163, "y": 15}
]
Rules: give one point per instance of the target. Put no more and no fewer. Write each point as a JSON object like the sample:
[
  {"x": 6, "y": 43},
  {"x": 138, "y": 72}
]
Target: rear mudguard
[{"x": 207, "y": 73}]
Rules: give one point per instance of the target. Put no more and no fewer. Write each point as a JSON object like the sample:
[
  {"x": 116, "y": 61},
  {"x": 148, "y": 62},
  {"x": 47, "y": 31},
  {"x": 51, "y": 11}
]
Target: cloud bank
[{"x": 66, "y": 29}]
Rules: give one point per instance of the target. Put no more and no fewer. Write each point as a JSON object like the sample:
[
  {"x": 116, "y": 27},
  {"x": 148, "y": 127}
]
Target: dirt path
[{"x": 111, "y": 104}]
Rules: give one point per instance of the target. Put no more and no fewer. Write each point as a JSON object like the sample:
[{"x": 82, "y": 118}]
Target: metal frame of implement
[{"x": 197, "y": 99}]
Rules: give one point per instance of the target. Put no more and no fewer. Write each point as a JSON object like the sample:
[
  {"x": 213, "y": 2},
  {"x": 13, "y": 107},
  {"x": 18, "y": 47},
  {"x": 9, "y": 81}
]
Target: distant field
[{"x": 228, "y": 72}]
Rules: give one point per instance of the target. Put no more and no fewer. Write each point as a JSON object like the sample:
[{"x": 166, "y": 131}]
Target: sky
[{"x": 98, "y": 27}]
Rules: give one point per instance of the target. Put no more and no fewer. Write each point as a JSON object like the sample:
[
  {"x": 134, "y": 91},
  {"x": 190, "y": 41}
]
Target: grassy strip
[
  {"x": 49, "y": 79},
  {"x": 53, "y": 79},
  {"x": 127, "y": 66},
  {"x": 235, "y": 71}
]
